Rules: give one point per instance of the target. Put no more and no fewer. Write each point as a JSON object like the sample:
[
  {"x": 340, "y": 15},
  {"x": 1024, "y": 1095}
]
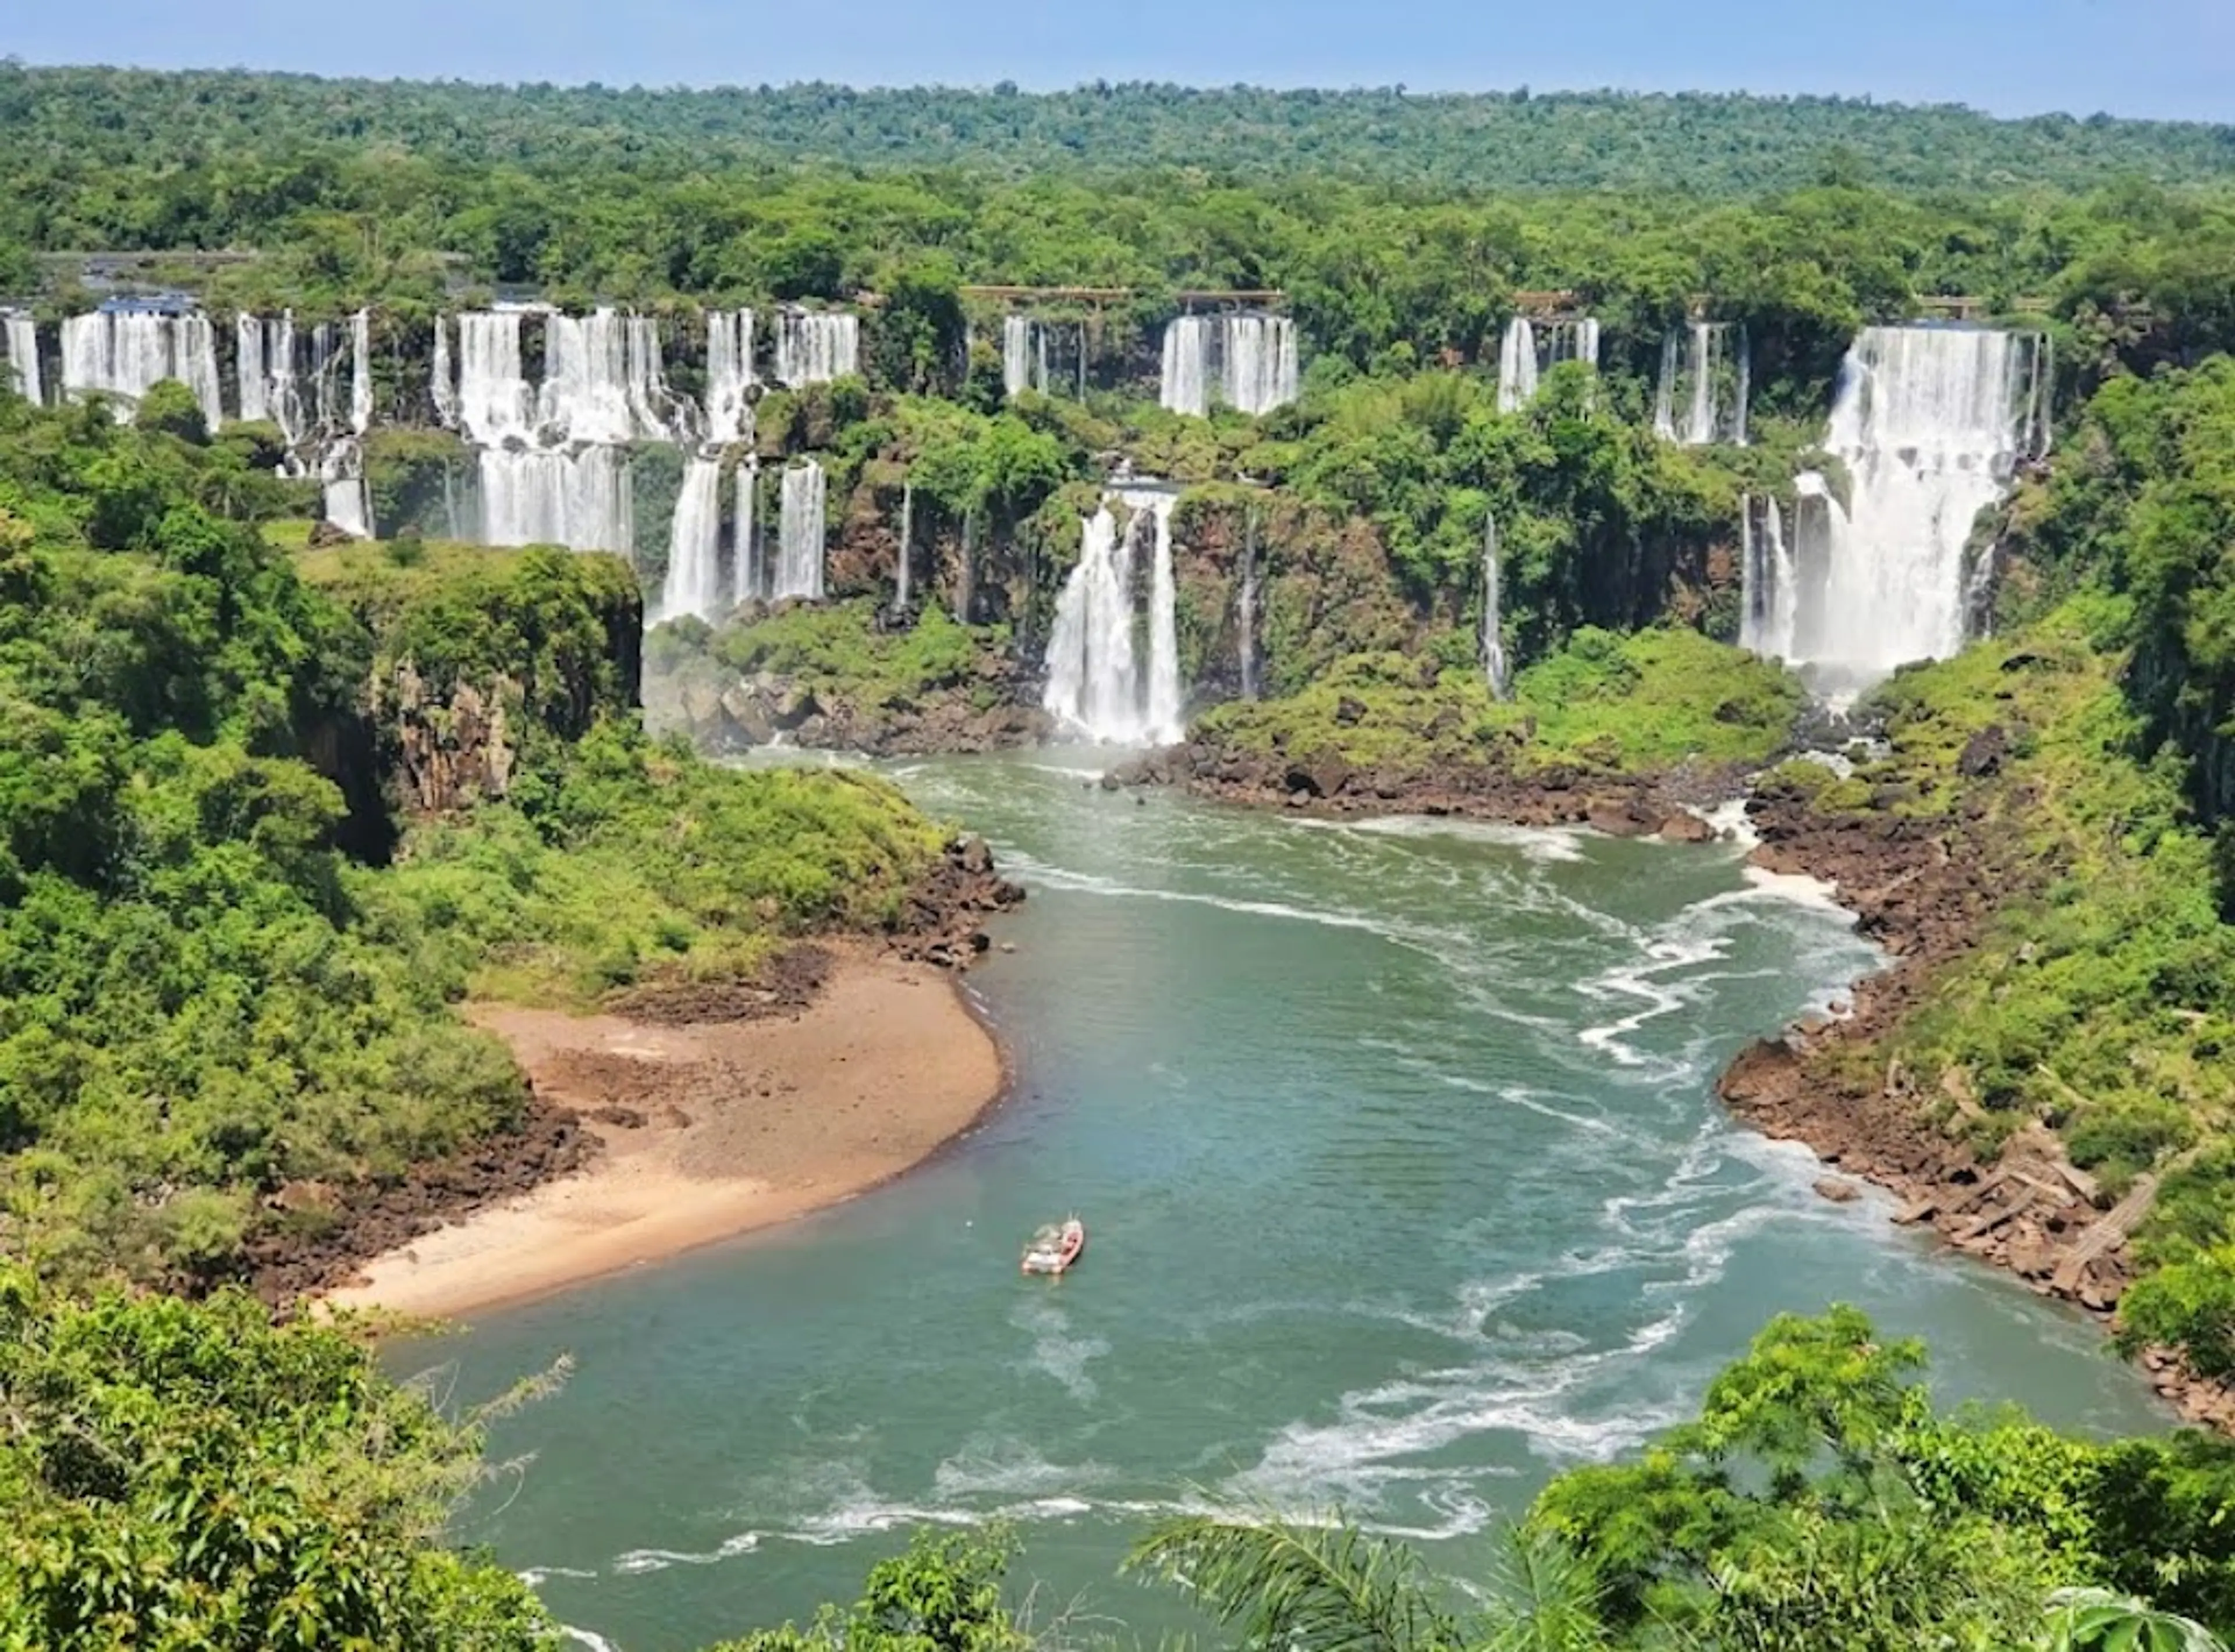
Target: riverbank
[{"x": 704, "y": 1131}]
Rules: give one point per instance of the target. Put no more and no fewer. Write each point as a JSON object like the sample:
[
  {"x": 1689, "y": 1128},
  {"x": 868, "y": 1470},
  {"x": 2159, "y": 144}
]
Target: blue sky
[{"x": 2171, "y": 58}]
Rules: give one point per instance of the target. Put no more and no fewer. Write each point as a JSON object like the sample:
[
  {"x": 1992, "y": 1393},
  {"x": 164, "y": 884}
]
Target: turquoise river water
[{"x": 1407, "y": 1186}]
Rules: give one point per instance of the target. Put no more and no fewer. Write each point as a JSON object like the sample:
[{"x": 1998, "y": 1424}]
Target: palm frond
[
  {"x": 1548, "y": 1599},
  {"x": 1294, "y": 1589},
  {"x": 2081, "y": 1620}
]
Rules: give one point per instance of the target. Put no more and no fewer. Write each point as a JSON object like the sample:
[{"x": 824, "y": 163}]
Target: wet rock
[
  {"x": 1837, "y": 1191},
  {"x": 1685, "y": 827}
]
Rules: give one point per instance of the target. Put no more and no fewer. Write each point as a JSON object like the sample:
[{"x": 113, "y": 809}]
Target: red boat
[{"x": 1055, "y": 1246}]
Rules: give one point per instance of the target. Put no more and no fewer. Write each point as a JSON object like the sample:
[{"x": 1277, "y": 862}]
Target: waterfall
[
  {"x": 250, "y": 376},
  {"x": 1250, "y": 359},
  {"x": 445, "y": 389},
  {"x": 19, "y": 349},
  {"x": 1095, "y": 685},
  {"x": 580, "y": 499},
  {"x": 1024, "y": 355},
  {"x": 1517, "y": 365},
  {"x": 748, "y": 577},
  {"x": 965, "y": 582},
  {"x": 496, "y": 404},
  {"x": 1707, "y": 366},
  {"x": 1245, "y": 624},
  {"x": 800, "y": 540},
  {"x": 814, "y": 346},
  {"x": 907, "y": 547},
  {"x": 602, "y": 380},
  {"x": 694, "y": 545},
  {"x": 729, "y": 376},
  {"x": 1770, "y": 591},
  {"x": 361, "y": 371},
  {"x": 1261, "y": 372},
  {"x": 122, "y": 353},
  {"x": 1494, "y": 631},
  {"x": 1530, "y": 349},
  {"x": 1931, "y": 424},
  {"x": 1187, "y": 361}
]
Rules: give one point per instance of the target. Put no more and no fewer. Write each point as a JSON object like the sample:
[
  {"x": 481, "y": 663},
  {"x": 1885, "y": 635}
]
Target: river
[{"x": 1407, "y": 1188}]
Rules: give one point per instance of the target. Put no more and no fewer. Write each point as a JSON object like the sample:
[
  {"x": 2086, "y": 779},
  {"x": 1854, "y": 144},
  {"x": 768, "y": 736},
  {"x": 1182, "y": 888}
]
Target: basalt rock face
[{"x": 445, "y": 753}]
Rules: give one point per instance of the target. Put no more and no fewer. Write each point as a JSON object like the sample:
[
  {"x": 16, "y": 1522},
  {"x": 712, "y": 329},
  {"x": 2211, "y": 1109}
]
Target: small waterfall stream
[
  {"x": 907, "y": 556},
  {"x": 1248, "y": 359},
  {"x": 816, "y": 346},
  {"x": 749, "y": 568},
  {"x": 1529, "y": 349},
  {"x": 19, "y": 355},
  {"x": 693, "y": 584},
  {"x": 1708, "y": 367},
  {"x": 1245, "y": 622},
  {"x": 1493, "y": 632}
]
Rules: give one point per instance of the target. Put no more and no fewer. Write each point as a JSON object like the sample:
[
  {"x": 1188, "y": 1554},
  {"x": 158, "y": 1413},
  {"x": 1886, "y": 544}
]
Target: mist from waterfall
[
  {"x": 1930, "y": 424},
  {"x": 799, "y": 570},
  {"x": 1249, "y": 360},
  {"x": 1529, "y": 349},
  {"x": 816, "y": 346},
  {"x": 19, "y": 355},
  {"x": 1706, "y": 368},
  {"x": 1095, "y": 686},
  {"x": 693, "y": 584},
  {"x": 124, "y": 353}
]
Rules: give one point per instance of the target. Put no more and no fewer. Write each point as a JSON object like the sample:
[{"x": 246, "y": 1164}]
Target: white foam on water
[
  {"x": 1799, "y": 889},
  {"x": 584, "y": 1637},
  {"x": 644, "y": 1560},
  {"x": 1055, "y": 1352},
  {"x": 1546, "y": 845},
  {"x": 1009, "y": 1467}
]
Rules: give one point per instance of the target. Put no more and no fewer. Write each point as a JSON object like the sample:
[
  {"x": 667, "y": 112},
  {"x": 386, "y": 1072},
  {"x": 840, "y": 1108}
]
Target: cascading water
[
  {"x": 1529, "y": 349},
  {"x": 123, "y": 353},
  {"x": 1771, "y": 592},
  {"x": 1707, "y": 368},
  {"x": 1187, "y": 365},
  {"x": 1095, "y": 684},
  {"x": 1930, "y": 425},
  {"x": 1494, "y": 631},
  {"x": 444, "y": 389},
  {"x": 1024, "y": 355},
  {"x": 748, "y": 575},
  {"x": 581, "y": 498},
  {"x": 814, "y": 346},
  {"x": 1250, "y": 359},
  {"x": 19, "y": 355},
  {"x": 729, "y": 376},
  {"x": 602, "y": 380},
  {"x": 1245, "y": 623},
  {"x": 906, "y": 557},
  {"x": 694, "y": 545},
  {"x": 800, "y": 538},
  {"x": 496, "y": 404}
]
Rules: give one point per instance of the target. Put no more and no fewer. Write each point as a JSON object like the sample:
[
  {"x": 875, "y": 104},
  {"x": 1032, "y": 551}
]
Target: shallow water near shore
[{"x": 1407, "y": 1188}]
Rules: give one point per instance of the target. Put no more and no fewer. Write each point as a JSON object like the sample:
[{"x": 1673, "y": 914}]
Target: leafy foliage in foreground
[
  {"x": 181, "y": 1475},
  {"x": 1819, "y": 1501}
]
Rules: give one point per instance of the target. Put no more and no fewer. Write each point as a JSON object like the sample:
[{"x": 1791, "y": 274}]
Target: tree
[
  {"x": 180, "y": 1475},
  {"x": 169, "y": 407}
]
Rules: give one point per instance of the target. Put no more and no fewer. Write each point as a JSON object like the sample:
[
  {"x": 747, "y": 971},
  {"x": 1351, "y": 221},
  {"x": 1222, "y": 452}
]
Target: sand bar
[{"x": 708, "y": 1131}]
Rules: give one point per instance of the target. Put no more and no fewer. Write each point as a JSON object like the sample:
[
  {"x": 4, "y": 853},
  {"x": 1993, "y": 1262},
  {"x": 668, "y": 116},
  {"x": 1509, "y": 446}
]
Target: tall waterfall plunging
[
  {"x": 1095, "y": 685},
  {"x": 814, "y": 346},
  {"x": 1250, "y": 358},
  {"x": 1529, "y": 349},
  {"x": 124, "y": 352},
  {"x": 445, "y": 387},
  {"x": 1930, "y": 425},
  {"x": 800, "y": 537},
  {"x": 693, "y": 584},
  {"x": 729, "y": 376},
  {"x": 1493, "y": 627},
  {"x": 748, "y": 572},
  {"x": 493, "y": 402},
  {"x": 603, "y": 381},
  {"x": 906, "y": 557},
  {"x": 1707, "y": 368},
  {"x": 1024, "y": 355},
  {"x": 19, "y": 355},
  {"x": 341, "y": 461},
  {"x": 1770, "y": 592}
]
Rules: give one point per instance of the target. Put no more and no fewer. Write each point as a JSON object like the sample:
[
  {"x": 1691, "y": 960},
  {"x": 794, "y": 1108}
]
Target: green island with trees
[{"x": 238, "y": 909}]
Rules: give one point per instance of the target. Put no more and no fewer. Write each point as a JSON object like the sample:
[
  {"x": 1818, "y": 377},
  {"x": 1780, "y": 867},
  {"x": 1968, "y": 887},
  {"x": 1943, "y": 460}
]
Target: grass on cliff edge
[
  {"x": 837, "y": 649},
  {"x": 1615, "y": 704},
  {"x": 2100, "y": 1001}
]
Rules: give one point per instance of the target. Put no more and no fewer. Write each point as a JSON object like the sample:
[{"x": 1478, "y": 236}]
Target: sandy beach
[{"x": 708, "y": 1131}]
